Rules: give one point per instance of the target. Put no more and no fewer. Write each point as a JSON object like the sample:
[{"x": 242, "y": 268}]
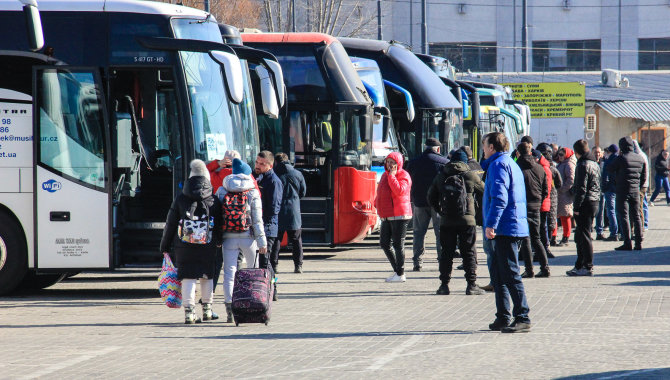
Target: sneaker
[
  {"x": 544, "y": 273},
  {"x": 498, "y": 325},
  {"x": 625, "y": 247},
  {"x": 550, "y": 255},
  {"x": 553, "y": 242},
  {"x": 612, "y": 238},
  {"x": 190, "y": 317},
  {"x": 527, "y": 274},
  {"x": 488, "y": 288},
  {"x": 391, "y": 277},
  {"x": 207, "y": 312},
  {"x": 572, "y": 272},
  {"x": 584, "y": 272},
  {"x": 651, "y": 204},
  {"x": 460, "y": 267},
  {"x": 600, "y": 237},
  {"x": 443, "y": 290},
  {"x": 417, "y": 268},
  {"x": 563, "y": 242},
  {"x": 298, "y": 269},
  {"x": 517, "y": 327},
  {"x": 474, "y": 290},
  {"x": 397, "y": 278},
  {"x": 638, "y": 247}
]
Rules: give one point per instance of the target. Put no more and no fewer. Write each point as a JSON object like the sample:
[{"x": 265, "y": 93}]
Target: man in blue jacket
[
  {"x": 271, "y": 196},
  {"x": 505, "y": 227},
  {"x": 423, "y": 170}
]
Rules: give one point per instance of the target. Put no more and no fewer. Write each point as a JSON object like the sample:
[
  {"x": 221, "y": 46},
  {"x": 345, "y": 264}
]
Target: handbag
[{"x": 169, "y": 284}]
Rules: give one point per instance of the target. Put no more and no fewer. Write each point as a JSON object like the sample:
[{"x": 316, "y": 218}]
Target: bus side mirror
[
  {"x": 268, "y": 96},
  {"x": 232, "y": 69},
  {"x": 443, "y": 130},
  {"x": 385, "y": 129},
  {"x": 34, "y": 24},
  {"x": 275, "y": 67},
  {"x": 365, "y": 125}
]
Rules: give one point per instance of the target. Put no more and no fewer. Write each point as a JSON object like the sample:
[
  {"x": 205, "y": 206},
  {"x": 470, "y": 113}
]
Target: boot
[
  {"x": 190, "y": 316},
  {"x": 207, "y": 313},
  {"x": 563, "y": 242},
  {"x": 474, "y": 290},
  {"x": 553, "y": 242},
  {"x": 229, "y": 313}
]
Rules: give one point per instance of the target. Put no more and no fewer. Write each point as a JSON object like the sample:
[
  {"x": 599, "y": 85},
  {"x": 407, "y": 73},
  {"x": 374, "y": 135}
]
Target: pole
[
  {"x": 514, "y": 36},
  {"x": 207, "y": 6},
  {"x": 619, "y": 47},
  {"x": 424, "y": 28},
  {"x": 411, "y": 22},
  {"x": 293, "y": 29},
  {"x": 524, "y": 35},
  {"x": 379, "y": 20}
]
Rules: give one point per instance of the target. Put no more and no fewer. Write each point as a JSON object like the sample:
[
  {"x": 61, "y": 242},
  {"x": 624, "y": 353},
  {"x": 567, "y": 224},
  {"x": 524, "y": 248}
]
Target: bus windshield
[
  {"x": 244, "y": 114},
  {"x": 214, "y": 122},
  {"x": 380, "y": 149}
]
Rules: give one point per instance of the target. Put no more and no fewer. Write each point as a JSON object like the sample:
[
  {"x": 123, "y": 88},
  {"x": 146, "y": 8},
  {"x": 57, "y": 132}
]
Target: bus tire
[
  {"x": 13, "y": 254},
  {"x": 33, "y": 281}
]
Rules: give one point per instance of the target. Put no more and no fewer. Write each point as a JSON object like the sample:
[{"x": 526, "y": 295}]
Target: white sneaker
[
  {"x": 391, "y": 277},
  {"x": 397, "y": 278}
]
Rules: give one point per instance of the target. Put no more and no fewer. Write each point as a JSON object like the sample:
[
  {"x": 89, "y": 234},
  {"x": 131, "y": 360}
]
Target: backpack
[
  {"x": 196, "y": 225},
  {"x": 236, "y": 216},
  {"x": 453, "y": 196}
]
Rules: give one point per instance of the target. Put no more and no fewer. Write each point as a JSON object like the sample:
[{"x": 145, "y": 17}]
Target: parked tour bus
[
  {"x": 327, "y": 133},
  {"x": 99, "y": 128},
  {"x": 437, "y": 110}
]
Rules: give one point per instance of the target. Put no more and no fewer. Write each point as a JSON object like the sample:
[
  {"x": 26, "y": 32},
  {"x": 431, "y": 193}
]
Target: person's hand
[
  {"x": 490, "y": 233},
  {"x": 263, "y": 250},
  {"x": 393, "y": 170}
]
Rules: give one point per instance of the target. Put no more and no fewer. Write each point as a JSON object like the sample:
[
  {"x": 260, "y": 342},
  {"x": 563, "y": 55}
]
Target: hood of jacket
[
  {"x": 626, "y": 144},
  {"x": 397, "y": 157},
  {"x": 236, "y": 183},
  {"x": 455, "y": 167},
  {"x": 526, "y": 161},
  {"x": 197, "y": 188},
  {"x": 544, "y": 162},
  {"x": 589, "y": 156},
  {"x": 281, "y": 167}
]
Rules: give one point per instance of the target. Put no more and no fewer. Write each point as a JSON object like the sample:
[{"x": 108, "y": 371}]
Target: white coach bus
[{"x": 97, "y": 128}]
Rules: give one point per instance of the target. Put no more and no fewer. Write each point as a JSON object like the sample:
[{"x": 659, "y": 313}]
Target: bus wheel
[
  {"x": 13, "y": 254},
  {"x": 33, "y": 281}
]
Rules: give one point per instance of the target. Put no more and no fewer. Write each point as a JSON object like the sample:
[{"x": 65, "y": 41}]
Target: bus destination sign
[{"x": 551, "y": 100}]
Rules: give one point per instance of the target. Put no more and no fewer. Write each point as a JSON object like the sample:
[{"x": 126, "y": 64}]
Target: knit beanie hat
[
  {"x": 459, "y": 156},
  {"x": 199, "y": 169},
  {"x": 613, "y": 148},
  {"x": 241, "y": 167}
]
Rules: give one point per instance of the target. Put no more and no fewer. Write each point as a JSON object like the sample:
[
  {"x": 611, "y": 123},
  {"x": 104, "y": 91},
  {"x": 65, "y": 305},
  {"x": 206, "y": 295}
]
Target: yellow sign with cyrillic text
[{"x": 551, "y": 100}]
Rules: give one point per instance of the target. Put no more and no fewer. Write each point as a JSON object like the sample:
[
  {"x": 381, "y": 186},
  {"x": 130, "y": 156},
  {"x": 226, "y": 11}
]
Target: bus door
[{"x": 72, "y": 190}]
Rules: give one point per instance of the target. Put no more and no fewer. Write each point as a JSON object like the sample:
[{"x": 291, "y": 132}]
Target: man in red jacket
[{"x": 395, "y": 211}]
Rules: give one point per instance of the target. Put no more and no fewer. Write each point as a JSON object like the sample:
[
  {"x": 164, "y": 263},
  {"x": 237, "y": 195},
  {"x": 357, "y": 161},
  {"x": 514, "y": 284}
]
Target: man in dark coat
[
  {"x": 608, "y": 187},
  {"x": 290, "y": 221},
  {"x": 662, "y": 171},
  {"x": 271, "y": 196},
  {"x": 423, "y": 170},
  {"x": 458, "y": 228},
  {"x": 586, "y": 192},
  {"x": 537, "y": 189},
  {"x": 630, "y": 172}
]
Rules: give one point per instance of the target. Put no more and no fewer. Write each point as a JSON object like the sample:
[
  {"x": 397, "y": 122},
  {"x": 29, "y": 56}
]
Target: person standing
[
  {"x": 423, "y": 170},
  {"x": 220, "y": 169},
  {"x": 244, "y": 239},
  {"x": 608, "y": 187},
  {"x": 290, "y": 220},
  {"x": 600, "y": 215},
  {"x": 537, "y": 189},
  {"x": 395, "y": 211},
  {"x": 557, "y": 182},
  {"x": 472, "y": 163},
  {"x": 193, "y": 230},
  {"x": 271, "y": 197},
  {"x": 566, "y": 167},
  {"x": 630, "y": 170},
  {"x": 586, "y": 190},
  {"x": 662, "y": 171},
  {"x": 505, "y": 226},
  {"x": 547, "y": 203},
  {"x": 644, "y": 206},
  {"x": 458, "y": 226}
]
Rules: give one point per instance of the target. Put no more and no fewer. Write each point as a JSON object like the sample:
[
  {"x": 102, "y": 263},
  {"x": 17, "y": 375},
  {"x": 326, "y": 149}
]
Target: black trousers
[
  {"x": 295, "y": 239},
  {"x": 464, "y": 237},
  {"x": 263, "y": 260},
  {"x": 392, "y": 240},
  {"x": 627, "y": 213},
  {"x": 583, "y": 239},
  {"x": 533, "y": 243},
  {"x": 545, "y": 232}
]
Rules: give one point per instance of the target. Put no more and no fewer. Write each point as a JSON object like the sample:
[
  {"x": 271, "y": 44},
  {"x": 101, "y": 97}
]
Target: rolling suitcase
[{"x": 252, "y": 296}]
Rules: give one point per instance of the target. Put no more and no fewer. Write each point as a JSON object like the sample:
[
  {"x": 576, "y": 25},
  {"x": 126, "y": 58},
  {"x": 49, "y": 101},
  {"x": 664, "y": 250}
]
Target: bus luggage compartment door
[{"x": 72, "y": 197}]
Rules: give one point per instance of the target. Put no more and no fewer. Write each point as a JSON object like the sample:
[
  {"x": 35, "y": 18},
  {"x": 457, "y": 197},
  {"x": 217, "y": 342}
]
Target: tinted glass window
[{"x": 124, "y": 47}]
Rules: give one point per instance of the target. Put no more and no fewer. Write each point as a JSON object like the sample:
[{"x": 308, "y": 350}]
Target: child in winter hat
[
  {"x": 198, "y": 169},
  {"x": 241, "y": 167}
]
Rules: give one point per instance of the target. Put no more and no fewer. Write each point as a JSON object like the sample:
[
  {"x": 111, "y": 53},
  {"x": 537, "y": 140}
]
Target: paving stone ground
[{"x": 340, "y": 320}]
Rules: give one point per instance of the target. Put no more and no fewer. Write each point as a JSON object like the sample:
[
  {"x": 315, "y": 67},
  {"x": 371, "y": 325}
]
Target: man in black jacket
[
  {"x": 423, "y": 170},
  {"x": 586, "y": 192},
  {"x": 537, "y": 189},
  {"x": 662, "y": 171},
  {"x": 630, "y": 172}
]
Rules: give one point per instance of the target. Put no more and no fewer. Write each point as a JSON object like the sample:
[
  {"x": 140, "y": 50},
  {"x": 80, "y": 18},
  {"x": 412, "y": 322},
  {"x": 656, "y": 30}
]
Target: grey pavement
[{"x": 341, "y": 320}]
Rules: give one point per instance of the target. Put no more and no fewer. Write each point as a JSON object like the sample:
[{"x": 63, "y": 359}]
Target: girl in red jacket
[{"x": 395, "y": 211}]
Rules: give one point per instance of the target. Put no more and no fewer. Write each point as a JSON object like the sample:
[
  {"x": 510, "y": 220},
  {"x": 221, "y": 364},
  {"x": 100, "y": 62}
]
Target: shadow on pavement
[
  {"x": 54, "y": 295},
  {"x": 648, "y": 373},
  {"x": 340, "y": 335}
]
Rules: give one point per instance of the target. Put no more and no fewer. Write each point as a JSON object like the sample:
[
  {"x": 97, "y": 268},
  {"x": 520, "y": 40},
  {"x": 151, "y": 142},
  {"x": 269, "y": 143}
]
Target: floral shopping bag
[{"x": 169, "y": 284}]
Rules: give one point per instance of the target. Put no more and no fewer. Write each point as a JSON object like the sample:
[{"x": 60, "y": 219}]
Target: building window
[
  {"x": 654, "y": 54},
  {"x": 475, "y": 56},
  {"x": 583, "y": 55}
]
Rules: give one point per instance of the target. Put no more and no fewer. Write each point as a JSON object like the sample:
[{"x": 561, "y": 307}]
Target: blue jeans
[
  {"x": 420, "y": 221},
  {"x": 610, "y": 211},
  {"x": 600, "y": 215},
  {"x": 662, "y": 182},
  {"x": 645, "y": 211},
  {"x": 507, "y": 281}
]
